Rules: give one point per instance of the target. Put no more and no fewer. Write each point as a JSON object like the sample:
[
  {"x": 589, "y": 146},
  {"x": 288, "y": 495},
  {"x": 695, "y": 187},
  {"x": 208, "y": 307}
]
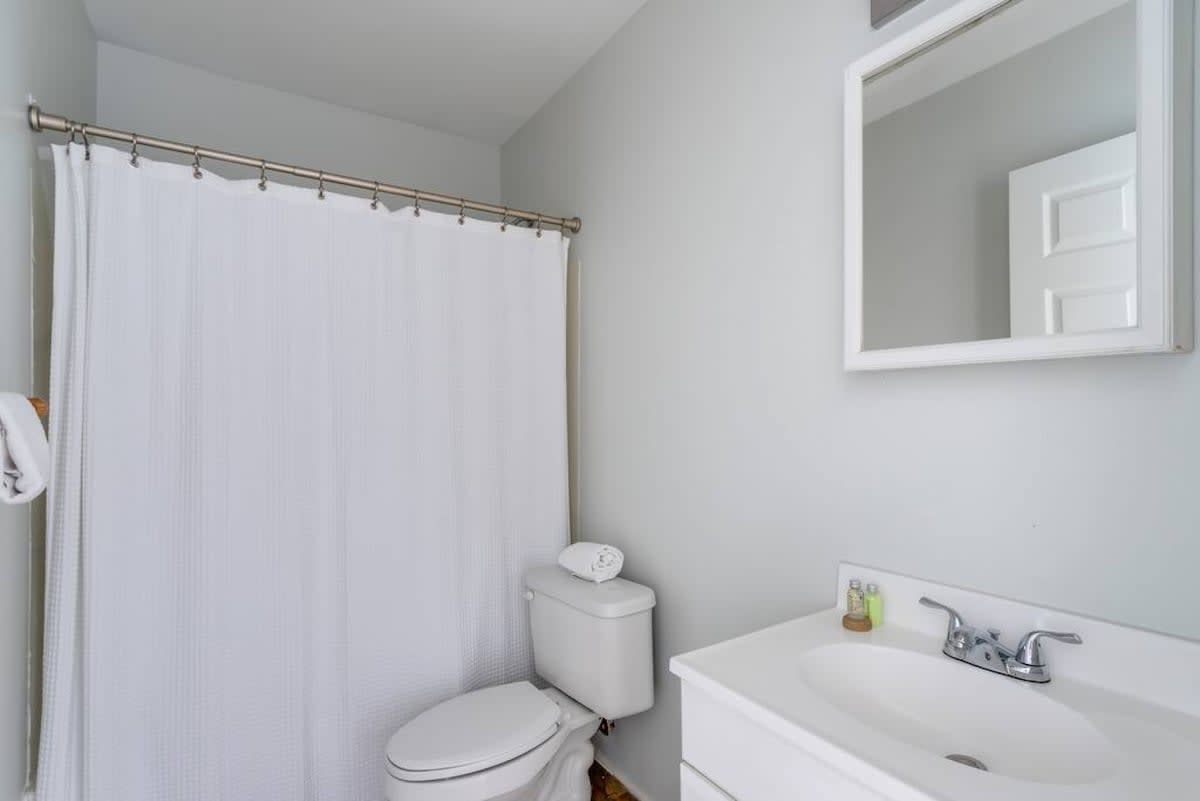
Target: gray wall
[
  {"x": 935, "y": 253},
  {"x": 151, "y": 95},
  {"x": 46, "y": 48},
  {"x": 721, "y": 444}
]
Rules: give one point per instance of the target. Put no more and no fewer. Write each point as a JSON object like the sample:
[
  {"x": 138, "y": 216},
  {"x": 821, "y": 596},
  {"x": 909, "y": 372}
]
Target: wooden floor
[{"x": 605, "y": 786}]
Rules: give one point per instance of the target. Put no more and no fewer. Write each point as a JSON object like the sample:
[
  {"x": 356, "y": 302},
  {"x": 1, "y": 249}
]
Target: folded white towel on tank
[
  {"x": 592, "y": 561},
  {"x": 24, "y": 453}
]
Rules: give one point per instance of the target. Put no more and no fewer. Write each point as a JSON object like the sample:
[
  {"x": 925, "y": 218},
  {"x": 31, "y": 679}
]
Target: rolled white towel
[
  {"x": 592, "y": 561},
  {"x": 24, "y": 453}
]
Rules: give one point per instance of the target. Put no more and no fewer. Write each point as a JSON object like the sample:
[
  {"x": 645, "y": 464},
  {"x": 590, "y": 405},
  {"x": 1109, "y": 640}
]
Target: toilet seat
[
  {"x": 472, "y": 732},
  {"x": 544, "y": 769}
]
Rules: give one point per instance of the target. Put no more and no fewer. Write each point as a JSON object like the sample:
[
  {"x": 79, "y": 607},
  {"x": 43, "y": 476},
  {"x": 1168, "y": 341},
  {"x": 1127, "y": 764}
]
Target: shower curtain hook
[
  {"x": 87, "y": 145},
  {"x": 539, "y": 226},
  {"x": 462, "y": 211},
  {"x": 262, "y": 175},
  {"x": 375, "y": 196},
  {"x": 133, "y": 154},
  {"x": 416, "y": 204},
  {"x": 71, "y": 141},
  {"x": 196, "y": 173},
  {"x": 504, "y": 220},
  {"x": 321, "y": 185}
]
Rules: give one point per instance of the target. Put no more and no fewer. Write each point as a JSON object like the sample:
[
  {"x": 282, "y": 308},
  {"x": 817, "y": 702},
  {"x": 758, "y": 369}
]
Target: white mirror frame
[{"x": 1164, "y": 123}]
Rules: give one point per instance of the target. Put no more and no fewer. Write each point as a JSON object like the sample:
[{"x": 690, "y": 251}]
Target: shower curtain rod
[{"x": 42, "y": 121}]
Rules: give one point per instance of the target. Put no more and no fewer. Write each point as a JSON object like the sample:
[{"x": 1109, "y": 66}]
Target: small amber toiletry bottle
[
  {"x": 856, "y": 618},
  {"x": 856, "y": 602},
  {"x": 874, "y": 602}
]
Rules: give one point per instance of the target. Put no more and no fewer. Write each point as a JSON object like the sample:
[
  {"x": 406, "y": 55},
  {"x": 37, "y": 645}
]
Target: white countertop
[{"x": 1149, "y": 751}]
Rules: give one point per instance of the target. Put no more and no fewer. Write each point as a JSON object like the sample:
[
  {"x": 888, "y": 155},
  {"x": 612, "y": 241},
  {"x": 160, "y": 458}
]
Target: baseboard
[{"x": 608, "y": 765}]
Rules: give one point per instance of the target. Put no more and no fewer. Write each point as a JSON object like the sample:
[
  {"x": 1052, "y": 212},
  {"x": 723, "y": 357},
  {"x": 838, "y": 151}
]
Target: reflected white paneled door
[{"x": 1073, "y": 241}]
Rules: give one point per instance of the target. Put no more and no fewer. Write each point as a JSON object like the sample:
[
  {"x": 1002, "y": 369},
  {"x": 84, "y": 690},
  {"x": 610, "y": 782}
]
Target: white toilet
[{"x": 592, "y": 643}]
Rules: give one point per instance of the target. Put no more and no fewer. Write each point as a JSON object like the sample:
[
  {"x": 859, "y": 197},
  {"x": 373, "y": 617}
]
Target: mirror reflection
[{"x": 999, "y": 178}]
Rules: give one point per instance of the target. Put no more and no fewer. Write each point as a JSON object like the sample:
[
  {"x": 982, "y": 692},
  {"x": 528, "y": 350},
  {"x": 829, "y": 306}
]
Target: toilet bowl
[
  {"x": 514, "y": 742},
  {"x": 493, "y": 746}
]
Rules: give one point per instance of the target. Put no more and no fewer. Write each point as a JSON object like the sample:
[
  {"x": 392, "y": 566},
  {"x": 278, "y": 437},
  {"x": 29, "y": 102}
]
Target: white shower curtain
[{"x": 303, "y": 451}]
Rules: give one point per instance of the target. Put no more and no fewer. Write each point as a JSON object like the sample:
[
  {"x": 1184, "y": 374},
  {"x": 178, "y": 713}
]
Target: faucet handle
[
  {"x": 1029, "y": 651},
  {"x": 956, "y": 621}
]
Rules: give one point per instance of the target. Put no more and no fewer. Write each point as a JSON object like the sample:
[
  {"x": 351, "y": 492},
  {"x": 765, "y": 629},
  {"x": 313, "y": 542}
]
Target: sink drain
[{"x": 969, "y": 761}]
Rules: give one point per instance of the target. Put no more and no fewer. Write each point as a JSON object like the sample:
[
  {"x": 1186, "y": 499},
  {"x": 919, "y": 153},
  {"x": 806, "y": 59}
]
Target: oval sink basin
[{"x": 945, "y": 707}]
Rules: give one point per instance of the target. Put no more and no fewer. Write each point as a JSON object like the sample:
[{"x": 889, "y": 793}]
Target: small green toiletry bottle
[{"x": 874, "y": 606}]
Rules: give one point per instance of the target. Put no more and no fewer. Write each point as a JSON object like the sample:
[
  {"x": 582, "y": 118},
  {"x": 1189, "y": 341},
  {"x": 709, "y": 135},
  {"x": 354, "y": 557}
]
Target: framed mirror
[{"x": 1018, "y": 185}]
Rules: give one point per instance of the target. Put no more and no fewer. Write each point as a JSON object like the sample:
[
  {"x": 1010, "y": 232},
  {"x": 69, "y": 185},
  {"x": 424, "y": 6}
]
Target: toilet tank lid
[{"x": 606, "y": 599}]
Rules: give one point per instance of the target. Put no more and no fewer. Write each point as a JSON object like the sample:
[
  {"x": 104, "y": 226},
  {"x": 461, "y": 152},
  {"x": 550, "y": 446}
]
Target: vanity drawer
[
  {"x": 694, "y": 787},
  {"x": 751, "y": 763}
]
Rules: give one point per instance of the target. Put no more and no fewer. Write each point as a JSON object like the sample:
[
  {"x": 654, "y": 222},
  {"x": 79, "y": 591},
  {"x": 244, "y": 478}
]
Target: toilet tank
[{"x": 592, "y": 641}]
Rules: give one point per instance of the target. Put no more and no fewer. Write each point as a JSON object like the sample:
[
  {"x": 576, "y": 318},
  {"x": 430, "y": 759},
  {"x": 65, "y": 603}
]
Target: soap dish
[{"x": 856, "y": 623}]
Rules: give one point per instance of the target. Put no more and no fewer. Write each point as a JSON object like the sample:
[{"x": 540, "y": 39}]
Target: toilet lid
[{"x": 475, "y": 731}]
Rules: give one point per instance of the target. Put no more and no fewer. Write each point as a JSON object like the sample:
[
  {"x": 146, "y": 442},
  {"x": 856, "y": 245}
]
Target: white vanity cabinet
[
  {"x": 694, "y": 787},
  {"x": 808, "y": 711},
  {"x": 727, "y": 756}
]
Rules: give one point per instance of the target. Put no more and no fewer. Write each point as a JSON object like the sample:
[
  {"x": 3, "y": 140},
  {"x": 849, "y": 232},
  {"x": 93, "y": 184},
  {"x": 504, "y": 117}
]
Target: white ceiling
[{"x": 477, "y": 68}]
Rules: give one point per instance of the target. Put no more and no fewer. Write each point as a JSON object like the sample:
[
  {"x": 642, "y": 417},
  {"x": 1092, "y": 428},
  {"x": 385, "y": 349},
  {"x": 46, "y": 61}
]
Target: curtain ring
[
  {"x": 375, "y": 196},
  {"x": 133, "y": 154},
  {"x": 321, "y": 185},
  {"x": 262, "y": 175},
  {"x": 87, "y": 145},
  {"x": 504, "y": 220},
  {"x": 71, "y": 141},
  {"x": 539, "y": 226},
  {"x": 462, "y": 211},
  {"x": 196, "y": 173},
  {"x": 416, "y": 204}
]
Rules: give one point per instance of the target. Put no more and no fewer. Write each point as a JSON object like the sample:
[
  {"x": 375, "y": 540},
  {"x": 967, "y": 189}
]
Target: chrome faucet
[{"x": 983, "y": 648}]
